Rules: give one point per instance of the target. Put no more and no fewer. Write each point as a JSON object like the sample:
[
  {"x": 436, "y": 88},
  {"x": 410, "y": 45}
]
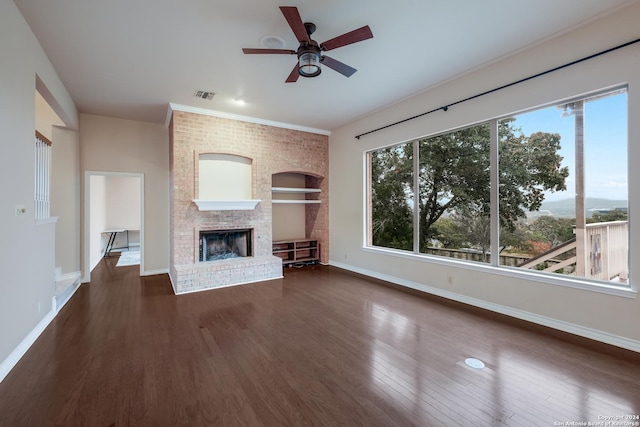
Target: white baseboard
[
  {"x": 154, "y": 272},
  {"x": 7, "y": 364},
  {"x": 66, "y": 296},
  {"x": 173, "y": 286},
  {"x": 69, "y": 276},
  {"x": 560, "y": 325}
]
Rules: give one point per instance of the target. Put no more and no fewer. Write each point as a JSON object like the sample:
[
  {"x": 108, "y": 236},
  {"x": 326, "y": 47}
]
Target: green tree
[
  {"x": 391, "y": 189},
  {"x": 454, "y": 174},
  {"x": 454, "y": 177},
  {"x": 615, "y": 215},
  {"x": 553, "y": 230},
  {"x": 450, "y": 233}
]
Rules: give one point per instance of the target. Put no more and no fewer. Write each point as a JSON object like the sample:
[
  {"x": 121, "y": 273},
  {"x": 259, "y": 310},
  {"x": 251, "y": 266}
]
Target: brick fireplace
[{"x": 268, "y": 150}]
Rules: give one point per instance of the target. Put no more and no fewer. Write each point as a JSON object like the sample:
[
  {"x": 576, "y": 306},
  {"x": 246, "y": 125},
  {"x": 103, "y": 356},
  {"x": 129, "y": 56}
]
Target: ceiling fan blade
[
  {"x": 292, "y": 16},
  {"x": 249, "y": 51},
  {"x": 338, "y": 66},
  {"x": 293, "y": 77},
  {"x": 354, "y": 36}
]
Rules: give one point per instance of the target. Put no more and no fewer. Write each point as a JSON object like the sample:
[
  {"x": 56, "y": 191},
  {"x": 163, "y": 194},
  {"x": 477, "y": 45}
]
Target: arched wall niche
[
  {"x": 296, "y": 199},
  {"x": 221, "y": 176}
]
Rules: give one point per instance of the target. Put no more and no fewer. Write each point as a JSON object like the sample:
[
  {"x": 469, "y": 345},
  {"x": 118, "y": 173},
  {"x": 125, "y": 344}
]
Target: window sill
[
  {"x": 48, "y": 220},
  {"x": 547, "y": 278}
]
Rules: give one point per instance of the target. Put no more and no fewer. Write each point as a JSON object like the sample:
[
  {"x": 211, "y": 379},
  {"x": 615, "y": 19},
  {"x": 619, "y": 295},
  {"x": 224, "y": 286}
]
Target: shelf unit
[
  {"x": 297, "y": 251},
  {"x": 295, "y": 190}
]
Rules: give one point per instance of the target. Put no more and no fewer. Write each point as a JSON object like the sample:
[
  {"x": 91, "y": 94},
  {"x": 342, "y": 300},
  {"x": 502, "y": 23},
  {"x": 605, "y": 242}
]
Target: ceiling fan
[{"x": 310, "y": 52}]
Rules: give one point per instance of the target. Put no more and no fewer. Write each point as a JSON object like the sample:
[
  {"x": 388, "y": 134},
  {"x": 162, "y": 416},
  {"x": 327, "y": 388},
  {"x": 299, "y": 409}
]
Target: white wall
[
  {"x": 224, "y": 177},
  {"x": 610, "y": 318},
  {"x": 116, "y": 145},
  {"x": 65, "y": 198},
  {"x": 123, "y": 207},
  {"x": 27, "y": 254},
  {"x": 97, "y": 219}
]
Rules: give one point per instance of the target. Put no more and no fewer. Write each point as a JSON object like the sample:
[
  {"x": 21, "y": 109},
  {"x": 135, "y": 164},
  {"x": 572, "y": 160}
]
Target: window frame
[{"x": 628, "y": 290}]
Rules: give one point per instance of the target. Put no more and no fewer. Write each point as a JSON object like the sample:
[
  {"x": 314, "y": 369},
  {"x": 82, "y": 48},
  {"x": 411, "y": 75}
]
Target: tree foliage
[
  {"x": 391, "y": 187},
  {"x": 615, "y": 215},
  {"x": 454, "y": 180},
  {"x": 554, "y": 231}
]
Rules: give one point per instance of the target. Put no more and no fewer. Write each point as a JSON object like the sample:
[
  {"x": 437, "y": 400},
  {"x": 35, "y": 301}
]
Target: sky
[{"x": 605, "y": 145}]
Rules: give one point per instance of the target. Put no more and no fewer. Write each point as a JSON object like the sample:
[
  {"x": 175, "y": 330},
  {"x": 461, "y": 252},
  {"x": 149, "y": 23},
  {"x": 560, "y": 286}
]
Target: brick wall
[{"x": 272, "y": 150}]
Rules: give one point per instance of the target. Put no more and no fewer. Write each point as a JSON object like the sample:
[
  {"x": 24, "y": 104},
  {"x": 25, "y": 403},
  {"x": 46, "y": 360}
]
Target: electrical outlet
[{"x": 20, "y": 210}]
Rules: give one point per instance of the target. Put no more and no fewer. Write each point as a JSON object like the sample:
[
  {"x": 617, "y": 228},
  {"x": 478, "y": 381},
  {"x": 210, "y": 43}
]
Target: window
[
  {"x": 561, "y": 198},
  {"x": 454, "y": 194},
  {"x": 576, "y": 224},
  {"x": 391, "y": 201}
]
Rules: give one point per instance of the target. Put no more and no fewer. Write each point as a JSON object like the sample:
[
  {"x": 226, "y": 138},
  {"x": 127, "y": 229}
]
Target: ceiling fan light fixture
[{"x": 309, "y": 64}]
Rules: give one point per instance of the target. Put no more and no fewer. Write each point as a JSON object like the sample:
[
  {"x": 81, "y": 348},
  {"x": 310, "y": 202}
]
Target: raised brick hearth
[{"x": 272, "y": 150}]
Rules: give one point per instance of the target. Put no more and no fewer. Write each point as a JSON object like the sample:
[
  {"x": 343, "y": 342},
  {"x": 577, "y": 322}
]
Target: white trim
[
  {"x": 14, "y": 357},
  {"x": 226, "y": 286},
  {"x": 155, "y": 272},
  {"x": 48, "y": 220},
  {"x": 222, "y": 114},
  {"x": 69, "y": 276},
  {"x": 173, "y": 286},
  {"x": 560, "y": 325},
  {"x": 226, "y": 205},
  {"x": 68, "y": 294},
  {"x": 513, "y": 272},
  {"x": 87, "y": 193}
]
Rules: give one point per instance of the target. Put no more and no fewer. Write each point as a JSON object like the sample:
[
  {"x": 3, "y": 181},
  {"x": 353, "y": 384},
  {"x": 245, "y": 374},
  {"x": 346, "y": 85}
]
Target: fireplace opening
[{"x": 225, "y": 244}]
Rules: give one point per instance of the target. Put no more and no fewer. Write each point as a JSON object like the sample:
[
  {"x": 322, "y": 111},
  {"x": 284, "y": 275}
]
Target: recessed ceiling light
[
  {"x": 239, "y": 101},
  {"x": 272, "y": 42}
]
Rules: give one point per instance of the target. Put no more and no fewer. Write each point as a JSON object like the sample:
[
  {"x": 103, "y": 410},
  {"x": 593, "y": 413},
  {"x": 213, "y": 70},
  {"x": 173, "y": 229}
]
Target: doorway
[{"x": 113, "y": 217}]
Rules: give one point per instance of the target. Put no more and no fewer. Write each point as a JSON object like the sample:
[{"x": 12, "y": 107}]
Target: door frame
[{"x": 86, "y": 265}]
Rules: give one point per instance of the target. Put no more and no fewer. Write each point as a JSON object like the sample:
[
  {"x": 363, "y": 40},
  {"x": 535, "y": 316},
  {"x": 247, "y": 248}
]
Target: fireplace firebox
[{"x": 225, "y": 244}]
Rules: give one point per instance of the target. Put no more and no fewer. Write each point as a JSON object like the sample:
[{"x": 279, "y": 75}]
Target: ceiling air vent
[{"x": 208, "y": 95}]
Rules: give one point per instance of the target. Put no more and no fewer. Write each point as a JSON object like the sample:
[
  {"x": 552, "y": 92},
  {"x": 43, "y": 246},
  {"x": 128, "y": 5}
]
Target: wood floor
[{"x": 320, "y": 347}]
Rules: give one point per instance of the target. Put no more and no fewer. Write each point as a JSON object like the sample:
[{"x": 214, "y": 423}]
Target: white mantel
[{"x": 226, "y": 205}]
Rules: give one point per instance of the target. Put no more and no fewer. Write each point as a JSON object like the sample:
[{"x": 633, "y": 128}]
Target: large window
[{"x": 560, "y": 198}]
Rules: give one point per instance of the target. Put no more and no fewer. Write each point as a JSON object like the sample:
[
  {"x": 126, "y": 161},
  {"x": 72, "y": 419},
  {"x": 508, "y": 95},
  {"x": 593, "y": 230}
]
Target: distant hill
[{"x": 566, "y": 208}]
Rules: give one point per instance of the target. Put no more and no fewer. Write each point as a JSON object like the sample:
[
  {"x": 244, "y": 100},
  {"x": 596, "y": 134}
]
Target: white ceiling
[{"x": 130, "y": 58}]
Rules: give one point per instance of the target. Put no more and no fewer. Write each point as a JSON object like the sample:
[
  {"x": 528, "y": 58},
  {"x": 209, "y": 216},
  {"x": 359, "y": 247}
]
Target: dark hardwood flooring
[{"x": 320, "y": 347}]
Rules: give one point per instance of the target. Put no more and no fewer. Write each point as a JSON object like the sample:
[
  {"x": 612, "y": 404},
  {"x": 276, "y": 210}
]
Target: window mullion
[
  {"x": 494, "y": 193},
  {"x": 416, "y": 197}
]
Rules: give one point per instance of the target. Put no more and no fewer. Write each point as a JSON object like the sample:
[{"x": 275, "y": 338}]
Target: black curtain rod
[{"x": 446, "y": 107}]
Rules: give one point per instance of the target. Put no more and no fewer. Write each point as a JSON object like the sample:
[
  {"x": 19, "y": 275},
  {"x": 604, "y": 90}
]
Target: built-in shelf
[
  {"x": 226, "y": 205},
  {"x": 292, "y": 201},
  {"x": 294, "y": 190},
  {"x": 297, "y": 251}
]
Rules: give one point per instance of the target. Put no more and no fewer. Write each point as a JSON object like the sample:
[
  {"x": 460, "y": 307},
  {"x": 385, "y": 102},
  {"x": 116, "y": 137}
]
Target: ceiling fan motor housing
[{"x": 309, "y": 58}]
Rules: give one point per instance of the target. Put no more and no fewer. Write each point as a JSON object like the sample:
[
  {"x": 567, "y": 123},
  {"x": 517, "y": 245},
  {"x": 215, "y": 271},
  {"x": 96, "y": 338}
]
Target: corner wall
[
  {"x": 27, "y": 288},
  {"x": 609, "y": 318},
  {"x": 117, "y": 145}
]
